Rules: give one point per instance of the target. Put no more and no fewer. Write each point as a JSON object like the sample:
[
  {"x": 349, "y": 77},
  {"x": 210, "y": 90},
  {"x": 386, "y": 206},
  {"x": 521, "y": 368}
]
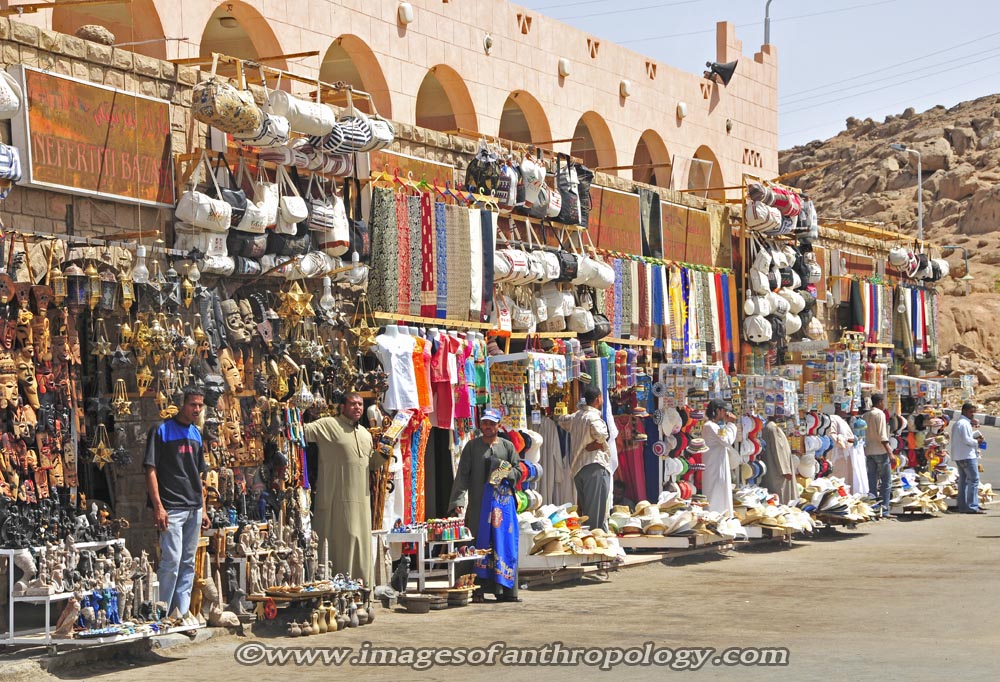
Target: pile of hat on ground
[
  {"x": 674, "y": 516},
  {"x": 559, "y": 531},
  {"x": 828, "y": 497},
  {"x": 920, "y": 492},
  {"x": 756, "y": 506}
]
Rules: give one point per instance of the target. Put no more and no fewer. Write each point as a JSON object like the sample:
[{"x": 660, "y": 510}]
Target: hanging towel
[
  {"x": 488, "y": 223},
  {"x": 384, "y": 251}
]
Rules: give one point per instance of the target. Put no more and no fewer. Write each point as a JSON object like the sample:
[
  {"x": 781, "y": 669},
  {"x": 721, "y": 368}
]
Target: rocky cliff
[{"x": 857, "y": 176}]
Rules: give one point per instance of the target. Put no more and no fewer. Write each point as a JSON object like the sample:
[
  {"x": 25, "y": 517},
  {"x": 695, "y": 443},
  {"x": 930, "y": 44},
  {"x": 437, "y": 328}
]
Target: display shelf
[
  {"x": 40, "y": 638},
  {"x": 47, "y": 597},
  {"x": 434, "y": 543},
  {"x": 456, "y": 560}
]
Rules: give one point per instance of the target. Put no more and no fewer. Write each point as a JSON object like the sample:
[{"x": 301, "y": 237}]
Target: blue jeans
[
  {"x": 880, "y": 474},
  {"x": 178, "y": 545},
  {"x": 968, "y": 485}
]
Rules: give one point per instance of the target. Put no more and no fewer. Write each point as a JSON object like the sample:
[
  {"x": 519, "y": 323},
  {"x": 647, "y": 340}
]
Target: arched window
[
  {"x": 523, "y": 119},
  {"x": 652, "y": 160},
  {"x": 595, "y": 146},
  {"x": 350, "y": 60},
  {"x": 136, "y": 22},
  {"x": 444, "y": 103},
  {"x": 706, "y": 174},
  {"x": 238, "y": 30}
]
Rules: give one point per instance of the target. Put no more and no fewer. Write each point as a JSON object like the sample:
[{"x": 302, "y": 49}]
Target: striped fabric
[{"x": 459, "y": 265}]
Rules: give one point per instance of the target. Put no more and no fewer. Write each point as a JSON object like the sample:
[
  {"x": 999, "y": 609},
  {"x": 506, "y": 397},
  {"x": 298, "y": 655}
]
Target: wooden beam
[
  {"x": 634, "y": 166},
  {"x": 803, "y": 171}
]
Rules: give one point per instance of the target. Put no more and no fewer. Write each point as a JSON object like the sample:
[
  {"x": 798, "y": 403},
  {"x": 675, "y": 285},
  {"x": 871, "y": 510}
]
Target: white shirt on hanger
[{"x": 396, "y": 353}]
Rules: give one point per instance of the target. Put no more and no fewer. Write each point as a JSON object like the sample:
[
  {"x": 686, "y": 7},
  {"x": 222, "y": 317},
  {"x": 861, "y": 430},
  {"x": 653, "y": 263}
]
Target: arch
[
  {"x": 136, "y": 22},
  {"x": 349, "y": 59},
  {"x": 649, "y": 152},
  {"x": 597, "y": 147},
  {"x": 443, "y": 101},
  {"x": 238, "y": 30},
  {"x": 523, "y": 119},
  {"x": 706, "y": 174}
]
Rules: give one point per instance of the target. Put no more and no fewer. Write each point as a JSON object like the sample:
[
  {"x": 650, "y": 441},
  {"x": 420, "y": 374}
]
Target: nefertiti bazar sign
[{"x": 95, "y": 140}]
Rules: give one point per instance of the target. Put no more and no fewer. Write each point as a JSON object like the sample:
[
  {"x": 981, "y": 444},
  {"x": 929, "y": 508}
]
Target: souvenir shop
[{"x": 307, "y": 261}]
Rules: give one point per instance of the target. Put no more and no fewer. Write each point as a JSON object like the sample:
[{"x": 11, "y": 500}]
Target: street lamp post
[
  {"x": 767, "y": 22},
  {"x": 920, "y": 188}
]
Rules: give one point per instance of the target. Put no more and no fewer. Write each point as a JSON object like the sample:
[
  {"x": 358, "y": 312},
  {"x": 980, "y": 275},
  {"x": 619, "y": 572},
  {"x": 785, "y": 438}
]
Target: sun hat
[
  {"x": 697, "y": 445},
  {"x": 541, "y": 539}
]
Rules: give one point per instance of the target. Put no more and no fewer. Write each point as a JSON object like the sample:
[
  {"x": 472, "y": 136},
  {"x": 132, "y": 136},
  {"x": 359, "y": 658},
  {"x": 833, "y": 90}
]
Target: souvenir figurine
[
  {"x": 9, "y": 395},
  {"x": 233, "y": 320},
  {"x": 230, "y": 370}
]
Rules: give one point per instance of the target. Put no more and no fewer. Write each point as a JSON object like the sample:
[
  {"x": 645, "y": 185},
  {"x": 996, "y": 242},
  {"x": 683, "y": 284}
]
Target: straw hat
[
  {"x": 632, "y": 527},
  {"x": 641, "y": 507},
  {"x": 652, "y": 526},
  {"x": 542, "y": 539}
]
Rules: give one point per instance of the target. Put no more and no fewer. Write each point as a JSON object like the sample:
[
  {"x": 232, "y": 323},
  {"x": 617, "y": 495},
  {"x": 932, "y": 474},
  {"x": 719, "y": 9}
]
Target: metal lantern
[
  {"x": 128, "y": 292},
  {"x": 93, "y": 286},
  {"x": 58, "y": 281},
  {"x": 76, "y": 287},
  {"x": 109, "y": 291}
]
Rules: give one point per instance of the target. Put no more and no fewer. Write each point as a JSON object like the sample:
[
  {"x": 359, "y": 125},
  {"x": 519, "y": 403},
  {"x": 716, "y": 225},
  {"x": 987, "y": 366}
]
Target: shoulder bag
[
  {"x": 217, "y": 102},
  {"x": 232, "y": 193},
  {"x": 292, "y": 208},
  {"x": 201, "y": 210},
  {"x": 304, "y": 116}
]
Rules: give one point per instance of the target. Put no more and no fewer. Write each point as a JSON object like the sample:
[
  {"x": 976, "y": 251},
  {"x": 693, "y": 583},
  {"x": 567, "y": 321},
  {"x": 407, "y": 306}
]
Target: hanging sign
[
  {"x": 615, "y": 220},
  {"x": 83, "y": 138},
  {"x": 674, "y": 219},
  {"x": 698, "y": 249}
]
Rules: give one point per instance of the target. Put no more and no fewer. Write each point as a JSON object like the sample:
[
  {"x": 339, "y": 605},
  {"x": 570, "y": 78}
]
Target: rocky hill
[{"x": 857, "y": 176}]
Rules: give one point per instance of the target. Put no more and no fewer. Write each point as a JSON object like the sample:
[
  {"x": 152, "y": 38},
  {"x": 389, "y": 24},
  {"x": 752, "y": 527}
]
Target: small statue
[
  {"x": 26, "y": 562},
  {"x": 68, "y": 617}
]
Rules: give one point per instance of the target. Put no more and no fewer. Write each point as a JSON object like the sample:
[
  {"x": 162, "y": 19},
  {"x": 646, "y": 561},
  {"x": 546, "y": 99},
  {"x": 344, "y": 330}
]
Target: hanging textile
[
  {"x": 414, "y": 207},
  {"x": 441, "y": 255},
  {"x": 403, "y": 262},
  {"x": 631, "y": 470},
  {"x": 678, "y": 312},
  {"x": 488, "y": 226},
  {"x": 857, "y": 319},
  {"x": 650, "y": 223},
  {"x": 627, "y": 282},
  {"x": 476, "y": 275},
  {"x": 384, "y": 251},
  {"x": 656, "y": 305},
  {"x": 555, "y": 484},
  {"x": 428, "y": 258},
  {"x": 459, "y": 265},
  {"x": 619, "y": 293},
  {"x": 644, "y": 282}
]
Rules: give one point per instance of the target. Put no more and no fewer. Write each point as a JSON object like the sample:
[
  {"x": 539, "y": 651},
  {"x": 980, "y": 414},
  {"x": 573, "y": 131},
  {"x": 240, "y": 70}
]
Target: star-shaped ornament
[{"x": 364, "y": 335}]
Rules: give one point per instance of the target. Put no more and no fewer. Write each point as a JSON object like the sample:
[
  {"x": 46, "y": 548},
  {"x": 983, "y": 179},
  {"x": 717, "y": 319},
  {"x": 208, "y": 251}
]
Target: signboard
[
  {"x": 614, "y": 220},
  {"x": 698, "y": 249},
  {"x": 82, "y": 138},
  {"x": 674, "y": 219}
]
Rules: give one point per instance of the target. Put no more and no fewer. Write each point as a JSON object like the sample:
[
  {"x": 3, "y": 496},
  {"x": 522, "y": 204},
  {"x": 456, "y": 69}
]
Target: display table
[{"x": 425, "y": 562}]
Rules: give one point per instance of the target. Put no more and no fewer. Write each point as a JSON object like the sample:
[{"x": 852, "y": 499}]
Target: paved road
[{"x": 914, "y": 599}]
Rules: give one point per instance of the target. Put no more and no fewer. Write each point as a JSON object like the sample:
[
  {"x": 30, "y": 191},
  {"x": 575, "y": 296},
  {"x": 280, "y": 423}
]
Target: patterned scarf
[
  {"x": 627, "y": 297},
  {"x": 384, "y": 250},
  {"x": 441, "y": 256},
  {"x": 489, "y": 227},
  {"x": 428, "y": 285},
  {"x": 616, "y": 319},
  {"x": 414, "y": 207},
  {"x": 403, "y": 261},
  {"x": 459, "y": 265}
]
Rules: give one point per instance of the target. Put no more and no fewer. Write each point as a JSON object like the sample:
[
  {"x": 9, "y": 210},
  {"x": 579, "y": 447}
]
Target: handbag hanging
[
  {"x": 568, "y": 186},
  {"x": 232, "y": 193},
  {"x": 254, "y": 220},
  {"x": 217, "y": 102},
  {"x": 360, "y": 240},
  {"x": 304, "y": 116},
  {"x": 329, "y": 221},
  {"x": 10, "y": 96},
  {"x": 292, "y": 207},
  {"x": 201, "y": 210},
  {"x": 584, "y": 178}
]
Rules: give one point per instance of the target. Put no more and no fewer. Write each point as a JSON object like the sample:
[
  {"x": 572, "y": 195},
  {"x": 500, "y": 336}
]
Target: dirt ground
[{"x": 914, "y": 599}]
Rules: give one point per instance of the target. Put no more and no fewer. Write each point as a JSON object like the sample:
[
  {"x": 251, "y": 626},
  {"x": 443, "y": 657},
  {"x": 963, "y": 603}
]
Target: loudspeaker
[{"x": 723, "y": 71}]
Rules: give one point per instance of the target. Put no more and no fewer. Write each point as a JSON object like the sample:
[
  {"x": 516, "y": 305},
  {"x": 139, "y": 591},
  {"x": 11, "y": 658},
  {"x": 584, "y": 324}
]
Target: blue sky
[{"x": 836, "y": 58}]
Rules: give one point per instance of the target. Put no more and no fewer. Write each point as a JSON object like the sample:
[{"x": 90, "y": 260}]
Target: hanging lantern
[
  {"x": 143, "y": 378},
  {"x": 120, "y": 402},
  {"x": 124, "y": 334},
  {"x": 76, "y": 287},
  {"x": 93, "y": 286},
  {"x": 303, "y": 397},
  {"x": 109, "y": 291},
  {"x": 128, "y": 292},
  {"x": 101, "y": 449},
  {"x": 187, "y": 292},
  {"x": 58, "y": 282},
  {"x": 102, "y": 345}
]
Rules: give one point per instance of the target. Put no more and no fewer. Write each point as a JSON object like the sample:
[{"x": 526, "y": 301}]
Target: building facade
[{"x": 486, "y": 67}]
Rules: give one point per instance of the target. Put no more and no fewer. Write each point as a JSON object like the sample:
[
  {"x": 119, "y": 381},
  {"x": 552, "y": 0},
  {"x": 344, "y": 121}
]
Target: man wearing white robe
[
  {"x": 719, "y": 434},
  {"x": 845, "y": 459}
]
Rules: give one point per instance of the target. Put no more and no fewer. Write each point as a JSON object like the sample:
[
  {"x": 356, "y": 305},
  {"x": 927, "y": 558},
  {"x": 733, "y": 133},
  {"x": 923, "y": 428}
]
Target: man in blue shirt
[
  {"x": 965, "y": 453},
  {"x": 174, "y": 464}
]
